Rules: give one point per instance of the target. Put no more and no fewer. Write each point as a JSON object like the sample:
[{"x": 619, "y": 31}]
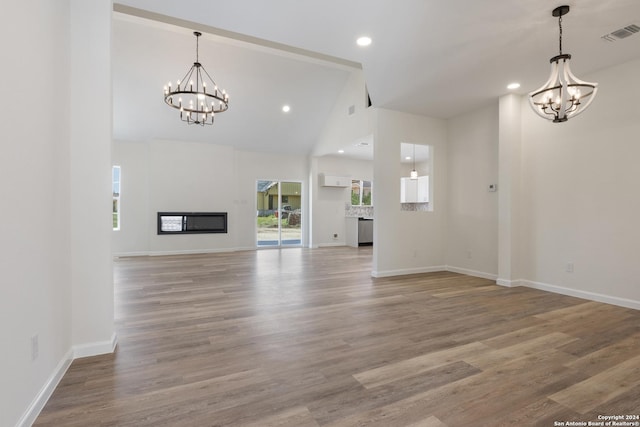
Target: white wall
[
  {"x": 252, "y": 166},
  {"x": 55, "y": 169},
  {"x": 194, "y": 177},
  {"x": 189, "y": 177},
  {"x": 329, "y": 202},
  {"x": 91, "y": 127},
  {"x": 343, "y": 129},
  {"x": 472, "y": 211},
  {"x": 34, "y": 170},
  {"x": 579, "y": 193},
  {"x": 133, "y": 236},
  {"x": 509, "y": 189},
  {"x": 407, "y": 242}
]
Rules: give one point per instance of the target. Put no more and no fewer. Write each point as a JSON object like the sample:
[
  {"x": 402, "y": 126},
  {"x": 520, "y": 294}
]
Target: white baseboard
[
  {"x": 509, "y": 283},
  {"x": 592, "y": 296},
  {"x": 405, "y": 271},
  {"x": 248, "y": 248},
  {"x": 128, "y": 254},
  {"x": 433, "y": 269},
  {"x": 331, "y": 244},
  {"x": 180, "y": 252},
  {"x": 202, "y": 251},
  {"x": 78, "y": 351},
  {"x": 96, "y": 348},
  {"x": 473, "y": 273},
  {"x": 191, "y": 252},
  {"x": 32, "y": 412}
]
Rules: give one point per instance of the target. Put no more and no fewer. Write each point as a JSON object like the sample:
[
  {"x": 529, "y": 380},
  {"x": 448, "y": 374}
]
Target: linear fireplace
[{"x": 192, "y": 222}]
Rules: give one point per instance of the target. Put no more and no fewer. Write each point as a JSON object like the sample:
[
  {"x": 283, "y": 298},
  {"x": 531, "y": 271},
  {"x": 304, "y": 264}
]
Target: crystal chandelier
[
  {"x": 196, "y": 96},
  {"x": 563, "y": 96}
]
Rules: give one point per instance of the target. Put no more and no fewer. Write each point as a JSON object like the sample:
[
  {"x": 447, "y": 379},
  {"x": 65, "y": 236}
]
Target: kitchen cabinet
[
  {"x": 414, "y": 190},
  {"x": 326, "y": 180}
]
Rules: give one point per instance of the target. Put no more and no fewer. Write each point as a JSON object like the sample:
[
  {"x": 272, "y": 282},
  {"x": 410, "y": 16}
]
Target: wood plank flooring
[{"x": 300, "y": 337}]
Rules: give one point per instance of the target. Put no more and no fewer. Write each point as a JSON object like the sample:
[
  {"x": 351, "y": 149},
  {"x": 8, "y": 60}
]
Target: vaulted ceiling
[{"x": 429, "y": 57}]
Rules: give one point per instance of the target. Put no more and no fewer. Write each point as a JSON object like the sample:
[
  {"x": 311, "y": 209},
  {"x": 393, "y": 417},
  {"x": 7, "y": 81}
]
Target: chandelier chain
[
  {"x": 414, "y": 172},
  {"x": 560, "y": 39}
]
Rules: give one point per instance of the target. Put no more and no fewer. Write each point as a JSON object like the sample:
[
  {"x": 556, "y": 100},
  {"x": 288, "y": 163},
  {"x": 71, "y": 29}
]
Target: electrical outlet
[
  {"x": 569, "y": 267},
  {"x": 34, "y": 347},
  {"x": 335, "y": 235},
  {"x": 493, "y": 187}
]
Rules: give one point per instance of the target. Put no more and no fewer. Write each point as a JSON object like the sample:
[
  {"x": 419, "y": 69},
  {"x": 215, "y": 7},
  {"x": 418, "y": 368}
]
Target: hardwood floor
[{"x": 301, "y": 337}]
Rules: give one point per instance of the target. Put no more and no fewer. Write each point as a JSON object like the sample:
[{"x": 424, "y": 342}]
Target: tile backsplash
[
  {"x": 358, "y": 211},
  {"x": 367, "y": 211},
  {"x": 414, "y": 207}
]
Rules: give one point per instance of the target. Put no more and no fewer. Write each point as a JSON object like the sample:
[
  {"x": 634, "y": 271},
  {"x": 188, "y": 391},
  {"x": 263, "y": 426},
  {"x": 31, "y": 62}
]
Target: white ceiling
[
  {"x": 431, "y": 57},
  {"x": 147, "y": 56}
]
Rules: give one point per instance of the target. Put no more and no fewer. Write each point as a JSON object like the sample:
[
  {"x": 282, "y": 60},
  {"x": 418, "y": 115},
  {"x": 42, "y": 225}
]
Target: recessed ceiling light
[
  {"x": 364, "y": 41},
  {"x": 408, "y": 158},
  {"x": 340, "y": 151},
  {"x": 286, "y": 108},
  {"x": 512, "y": 86}
]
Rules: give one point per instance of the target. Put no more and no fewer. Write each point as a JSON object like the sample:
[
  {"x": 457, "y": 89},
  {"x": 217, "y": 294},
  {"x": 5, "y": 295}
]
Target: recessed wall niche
[{"x": 416, "y": 180}]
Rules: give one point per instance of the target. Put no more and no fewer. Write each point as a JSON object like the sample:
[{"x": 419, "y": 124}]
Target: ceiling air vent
[{"x": 622, "y": 33}]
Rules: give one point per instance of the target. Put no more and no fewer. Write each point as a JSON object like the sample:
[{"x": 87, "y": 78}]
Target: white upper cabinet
[
  {"x": 326, "y": 180},
  {"x": 414, "y": 190}
]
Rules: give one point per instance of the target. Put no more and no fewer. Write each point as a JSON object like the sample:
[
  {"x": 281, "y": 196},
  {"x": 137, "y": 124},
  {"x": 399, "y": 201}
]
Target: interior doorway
[{"x": 279, "y": 213}]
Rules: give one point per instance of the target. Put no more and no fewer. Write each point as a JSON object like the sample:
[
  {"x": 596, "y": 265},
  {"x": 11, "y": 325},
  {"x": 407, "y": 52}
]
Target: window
[
  {"x": 361, "y": 193},
  {"x": 115, "y": 179}
]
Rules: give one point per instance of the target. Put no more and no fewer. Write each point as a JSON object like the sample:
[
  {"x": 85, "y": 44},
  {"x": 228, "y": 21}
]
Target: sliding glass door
[{"x": 279, "y": 213}]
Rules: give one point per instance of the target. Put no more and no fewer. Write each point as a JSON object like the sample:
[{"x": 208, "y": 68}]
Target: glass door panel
[
  {"x": 279, "y": 213},
  {"x": 268, "y": 232},
  {"x": 291, "y": 213}
]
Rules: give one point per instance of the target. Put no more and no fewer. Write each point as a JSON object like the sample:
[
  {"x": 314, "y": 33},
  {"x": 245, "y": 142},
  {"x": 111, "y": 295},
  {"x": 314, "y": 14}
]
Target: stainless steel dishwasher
[{"x": 365, "y": 231}]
